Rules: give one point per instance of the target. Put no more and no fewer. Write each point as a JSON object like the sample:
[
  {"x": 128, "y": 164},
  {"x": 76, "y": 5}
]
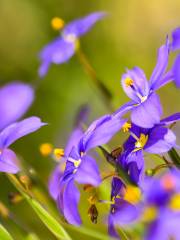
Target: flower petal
[
  {"x": 54, "y": 182},
  {"x": 111, "y": 228},
  {"x": 176, "y": 71},
  {"x": 81, "y": 26},
  {"x": 140, "y": 84},
  {"x": 161, "y": 65},
  {"x": 175, "y": 45},
  {"x": 88, "y": 172},
  {"x": 160, "y": 140},
  {"x": 148, "y": 113},
  {"x": 171, "y": 119},
  {"x": 15, "y": 99},
  {"x": 71, "y": 198},
  {"x": 17, "y": 130},
  {"x": 101, "y": 131},
  {"x": 58, "y": 52},
  {"x": 73, "y": 140},
  {"x": 8, "y": 162}
]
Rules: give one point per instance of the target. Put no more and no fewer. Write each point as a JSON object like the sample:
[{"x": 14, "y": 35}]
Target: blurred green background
[{"x": 129, "y": 37}]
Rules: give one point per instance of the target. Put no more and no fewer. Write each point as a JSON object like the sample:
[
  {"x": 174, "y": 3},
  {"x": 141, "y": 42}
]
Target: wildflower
[
  {"x": 145, "y": 106},
  {"x": 125, "y": 205},
  {"x": 64, "y": 46},
  {"x": 61, "y": 154},
  {"x": 8, "y": 159},
  {"x": 164, "y": 196},
  {"x": 15, "y": 99},
  {"x": 81, "y": 167}
]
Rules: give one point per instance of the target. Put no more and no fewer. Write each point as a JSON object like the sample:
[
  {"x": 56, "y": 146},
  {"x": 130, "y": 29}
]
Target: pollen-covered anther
[
  {"x": 128, "y": 82},
  {"x": 59, "y": 153},
  {"x": 132, "y": 194},
  {"x": 175, "y": 202},
  {"x": 141, "y": 141},
  {"x": 46, "y": 149},
  {"x": 149, "y": 214},
  {"x": 126, "y": 127},
  {"x": 57, "y": 23}
]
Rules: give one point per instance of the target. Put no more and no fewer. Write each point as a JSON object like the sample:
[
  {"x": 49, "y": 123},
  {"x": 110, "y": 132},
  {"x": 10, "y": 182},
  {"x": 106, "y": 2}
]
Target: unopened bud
[{"x": 93, "y": 213}]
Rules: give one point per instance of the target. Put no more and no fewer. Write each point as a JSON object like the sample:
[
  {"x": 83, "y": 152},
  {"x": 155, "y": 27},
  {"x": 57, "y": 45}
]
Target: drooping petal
[
  {"x": 59, "y": 51},
  {"x": 81, "y": 26},
  {"x": 54, "y": 182},
  {"x": 71, "y": 198},
  {"x": 139, "y": 84},
  {"x": 148, "y": 113},
  {"x": 160, "y": 140},
  {"x": 101, "y": 131},
  {"x": 175, "y": 45},
  {"x": 161, "y": 65},
  {"x": 111, "y": 228},
  {"x": 15, "y": 99},
  {"x": 17, "y": 130},
  {"x": 124, "y": 212},
  {"x": 171, "y": 119},
  {"x": 124, "y": 109},
  {"x": 88, "y": 172},
  {"x": 8, "y": 162},
  {"x": 176, "y": 71},
  {"x": 167, "y": 78}
]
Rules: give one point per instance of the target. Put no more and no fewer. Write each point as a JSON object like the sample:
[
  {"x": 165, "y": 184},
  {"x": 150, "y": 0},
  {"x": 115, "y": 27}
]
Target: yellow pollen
[
  {"x": 128, "y": 82},
  {"x": 175, "y": 202},
  {"x": 142, "y": 141},
  {"x": 77, "y": 163},
  {"x": 59, "y": 153},
  {"x": 57, "y": 23},
  {"x": 46, "y": 149},
  {"x": 149, "y": 214},
  {"x": 132, "y": 194},
  {"x": 168, "y": 182},
  {"x": 92, "y": 199},
  {"x": 126, "y": 127}
]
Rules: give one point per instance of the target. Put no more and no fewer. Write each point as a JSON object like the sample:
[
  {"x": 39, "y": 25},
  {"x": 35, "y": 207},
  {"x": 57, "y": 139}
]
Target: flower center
[
  {"x": 132, "y": 194},
  {"x": 57, "y": 23},
  {"x": 141, "y": 142},
  {"x": 175, "y": 202},
  {"x": 75, "y": 162}
]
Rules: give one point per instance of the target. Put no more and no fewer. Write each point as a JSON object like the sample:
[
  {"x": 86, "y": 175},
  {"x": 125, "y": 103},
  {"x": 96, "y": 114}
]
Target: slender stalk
[
  {"x": 106, "y": 94},
  {"x": 174, "y": 157}
]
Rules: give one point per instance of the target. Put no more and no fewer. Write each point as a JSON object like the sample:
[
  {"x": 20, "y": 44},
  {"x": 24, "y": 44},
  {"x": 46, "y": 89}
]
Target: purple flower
[
  {"x": 54, "y": 180},
  {"x": 125, "y": 205},
  {"x": 156, "y": 140},
  {"x": 8, "y": 159},
  {"x": 145, "y": 106},
  {"x": 163, "y": 195},
  {"x": 64, "y": 46},
  {"x": 81, "y": 167},
  {"x": 15, "y": 99}
]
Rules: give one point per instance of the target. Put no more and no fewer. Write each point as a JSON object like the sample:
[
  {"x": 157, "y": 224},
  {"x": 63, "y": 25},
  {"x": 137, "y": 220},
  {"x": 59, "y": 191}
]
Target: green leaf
[
  {"x": 51, "y": 223},
  {"x": 32, "y": 236},
  {"x": 4, "y": 235}
]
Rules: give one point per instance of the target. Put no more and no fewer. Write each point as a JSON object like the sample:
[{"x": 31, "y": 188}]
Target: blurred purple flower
[
  {"x": 15, "y": 99},
  {"x": 82, "y": 168},
  {"x": 64, "y": 46},
  {"x": 163, "y": 195},
  {"x": 8, "y": 159}
]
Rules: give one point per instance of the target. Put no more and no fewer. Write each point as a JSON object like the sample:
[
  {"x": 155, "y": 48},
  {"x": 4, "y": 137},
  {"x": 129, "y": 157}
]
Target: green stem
[
  {"x": 174, "y": 157},
  {"x": 106, "y": 94}
]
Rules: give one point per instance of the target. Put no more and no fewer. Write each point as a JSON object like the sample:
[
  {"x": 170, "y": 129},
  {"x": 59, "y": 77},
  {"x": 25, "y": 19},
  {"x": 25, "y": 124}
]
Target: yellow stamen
[
  {"x": 149, "y": 214},
  {"x": 59, "y": 153},
  {"x": 126, "y": 127},
  {"x": 132, "y": 194},
  {"x": 128, "y": 82},
  {"x": 168, "y": 182},
  {"x": 77, "y": 163},
  {"x": 142, "y": 141},
  {"x": 92, "y": 199},
  {"x": 175, "y": 202},
  {"x": 57, "y": 23},
  {"x": 46, "y": 149}
]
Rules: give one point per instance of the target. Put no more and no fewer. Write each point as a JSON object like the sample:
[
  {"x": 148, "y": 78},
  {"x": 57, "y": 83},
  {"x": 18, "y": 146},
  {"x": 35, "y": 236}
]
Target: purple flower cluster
[{"x": 129, "y": 201}]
